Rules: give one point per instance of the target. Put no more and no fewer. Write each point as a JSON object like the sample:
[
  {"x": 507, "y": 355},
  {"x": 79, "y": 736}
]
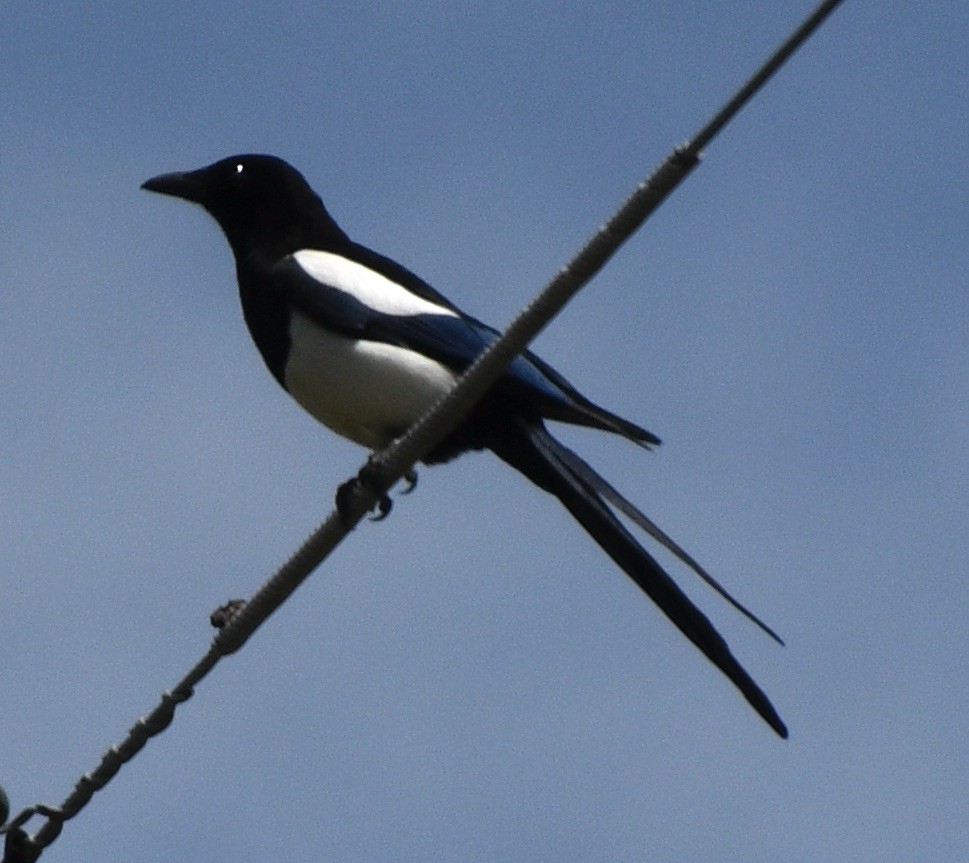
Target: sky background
[{"x": 472, "y": 679}]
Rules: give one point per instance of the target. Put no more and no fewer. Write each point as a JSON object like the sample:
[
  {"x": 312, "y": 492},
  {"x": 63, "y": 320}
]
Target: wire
[{"x": 383, "y": 469}]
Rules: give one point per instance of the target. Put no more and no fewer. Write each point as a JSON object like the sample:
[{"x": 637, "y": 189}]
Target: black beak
[{"x": 187, "y": 186}]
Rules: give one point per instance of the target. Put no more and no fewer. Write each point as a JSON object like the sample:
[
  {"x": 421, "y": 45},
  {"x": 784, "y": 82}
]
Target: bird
[{"x": 367, "y": 347}]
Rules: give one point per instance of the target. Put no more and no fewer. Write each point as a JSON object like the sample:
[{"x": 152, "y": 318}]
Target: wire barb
[{"x": 387, "y": 467}]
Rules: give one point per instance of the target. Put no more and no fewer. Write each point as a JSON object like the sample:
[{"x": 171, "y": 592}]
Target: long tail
[{"x": 530, "y": 449}]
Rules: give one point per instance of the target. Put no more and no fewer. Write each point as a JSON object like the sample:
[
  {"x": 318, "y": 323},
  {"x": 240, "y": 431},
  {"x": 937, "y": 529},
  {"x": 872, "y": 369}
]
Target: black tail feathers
[{"x": 530, "y": 449}]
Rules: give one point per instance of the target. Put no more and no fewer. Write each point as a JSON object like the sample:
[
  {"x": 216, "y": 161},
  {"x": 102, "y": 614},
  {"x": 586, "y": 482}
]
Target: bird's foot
[{"x": 368, "y": 478}]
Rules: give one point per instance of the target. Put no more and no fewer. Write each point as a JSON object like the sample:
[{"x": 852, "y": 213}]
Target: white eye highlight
[{"x": 240, "y": 167}]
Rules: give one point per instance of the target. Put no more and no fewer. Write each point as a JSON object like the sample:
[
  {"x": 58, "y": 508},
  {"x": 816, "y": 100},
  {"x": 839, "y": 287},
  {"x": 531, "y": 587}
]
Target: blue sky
[{"x": 473, "y": 679}]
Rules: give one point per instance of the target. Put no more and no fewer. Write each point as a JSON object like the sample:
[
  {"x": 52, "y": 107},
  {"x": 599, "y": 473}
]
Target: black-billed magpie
[{"x": 366, "y": 347}]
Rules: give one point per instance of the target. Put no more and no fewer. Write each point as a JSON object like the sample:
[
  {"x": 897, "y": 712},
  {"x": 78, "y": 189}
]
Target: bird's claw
[
  {"x": 383, "y": 506},
  {"x": 367, "y": 479}
]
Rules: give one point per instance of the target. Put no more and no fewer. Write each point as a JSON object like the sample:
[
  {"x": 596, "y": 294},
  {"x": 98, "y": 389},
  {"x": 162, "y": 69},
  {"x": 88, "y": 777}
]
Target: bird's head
[{"x": 262, "y": 203}]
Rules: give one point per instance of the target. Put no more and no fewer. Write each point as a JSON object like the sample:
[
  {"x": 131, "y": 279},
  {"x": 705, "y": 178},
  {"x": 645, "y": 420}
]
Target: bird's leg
[{"x": 369, "y": 477}]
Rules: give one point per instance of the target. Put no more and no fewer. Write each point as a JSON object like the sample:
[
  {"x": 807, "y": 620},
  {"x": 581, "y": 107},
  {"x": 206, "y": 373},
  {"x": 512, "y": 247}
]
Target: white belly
[{"x": 368, "y": 392}]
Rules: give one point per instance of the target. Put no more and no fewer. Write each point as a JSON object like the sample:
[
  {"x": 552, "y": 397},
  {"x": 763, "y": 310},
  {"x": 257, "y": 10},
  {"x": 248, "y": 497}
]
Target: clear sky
[{"x": 473, "y": 679}]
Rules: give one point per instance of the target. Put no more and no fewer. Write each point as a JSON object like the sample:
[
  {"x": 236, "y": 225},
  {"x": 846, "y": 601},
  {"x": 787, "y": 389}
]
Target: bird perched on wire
[{"x": 366, "y": 347}]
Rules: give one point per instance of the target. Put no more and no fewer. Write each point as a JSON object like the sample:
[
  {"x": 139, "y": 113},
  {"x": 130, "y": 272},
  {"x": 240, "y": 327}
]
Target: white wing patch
[{"x": 368, "y": 287}]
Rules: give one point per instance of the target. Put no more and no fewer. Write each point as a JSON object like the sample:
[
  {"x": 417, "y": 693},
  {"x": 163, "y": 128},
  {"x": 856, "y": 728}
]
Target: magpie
[{"x": 366, "y": 347}]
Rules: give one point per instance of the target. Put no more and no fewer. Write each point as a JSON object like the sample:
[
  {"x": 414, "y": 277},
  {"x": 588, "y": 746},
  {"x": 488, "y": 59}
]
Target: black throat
[
  {"x": 257, "y": 251},
  {"x": 266, "y": 315}
]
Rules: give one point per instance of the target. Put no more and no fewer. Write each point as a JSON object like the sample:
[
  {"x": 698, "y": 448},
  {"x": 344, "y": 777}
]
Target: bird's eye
[{"x": 240, "y": 167}]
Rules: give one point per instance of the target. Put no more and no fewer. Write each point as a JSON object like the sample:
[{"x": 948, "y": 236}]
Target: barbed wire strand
[{"x": 384, "y": 469}]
